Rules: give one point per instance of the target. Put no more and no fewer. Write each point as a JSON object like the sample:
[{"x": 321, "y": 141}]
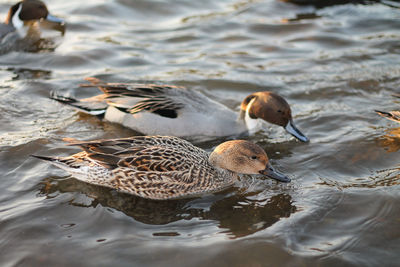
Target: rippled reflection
[
  {"x": 391, "y": 140},
  {"x": 236, "y": 214},
  {"x": 326, "y": 3},
  {"x": 24, "y": 73},
  {"x": 388, "y": 177}
]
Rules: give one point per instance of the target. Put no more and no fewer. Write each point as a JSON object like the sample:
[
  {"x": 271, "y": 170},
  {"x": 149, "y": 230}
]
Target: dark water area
[{"x": 334, "y": 64}]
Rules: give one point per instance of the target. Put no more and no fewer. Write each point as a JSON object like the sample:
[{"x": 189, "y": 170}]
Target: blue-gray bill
[
  {"x": 53, "y": 23},
  {"x": 270, "y": 172},
  {"x": 54, "y": 19},
  {"x": 292, "y": 129}
]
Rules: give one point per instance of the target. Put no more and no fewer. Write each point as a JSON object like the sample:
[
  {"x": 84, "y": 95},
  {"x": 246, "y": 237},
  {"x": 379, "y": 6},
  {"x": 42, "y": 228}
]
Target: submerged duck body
[
  {"x": 164, "y": 167},
  {"x": 171, "y": 110},
  {"x": 23, "y": 16}
]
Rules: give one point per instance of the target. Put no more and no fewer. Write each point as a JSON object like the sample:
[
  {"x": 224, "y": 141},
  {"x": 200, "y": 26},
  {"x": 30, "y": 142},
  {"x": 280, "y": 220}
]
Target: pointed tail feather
[
  {"x": 44, "y": 158},
  {"x": 393, "y": 115},
  {"x": 92, "y": 108},
  {"x": 68, "y": 164},
  {"x": 53, "y": 160},
  {"x": 79, "y": 167}
]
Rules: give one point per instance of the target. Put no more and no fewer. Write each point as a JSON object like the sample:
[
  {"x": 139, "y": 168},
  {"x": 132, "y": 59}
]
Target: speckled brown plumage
[
  {"x": 164, "y": 167},
  {"x": 151, "y": 167}
]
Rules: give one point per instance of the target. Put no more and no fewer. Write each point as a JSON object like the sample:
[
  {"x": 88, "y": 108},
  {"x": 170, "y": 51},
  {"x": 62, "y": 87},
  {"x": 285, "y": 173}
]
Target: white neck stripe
[
  {"x": 251, "y": 124},
  {"x": 249, "y": 105},
  {"x": 16, "y": 21}
]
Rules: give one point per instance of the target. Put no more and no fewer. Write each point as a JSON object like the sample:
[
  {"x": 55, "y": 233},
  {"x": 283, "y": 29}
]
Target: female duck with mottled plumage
[
  {"x": 170, "y": 110},
  {"x": 164, "y": 167},
  {"x": 23, "y": 16}
]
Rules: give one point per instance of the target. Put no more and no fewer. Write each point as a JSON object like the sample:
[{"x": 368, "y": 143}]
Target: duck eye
[{"x": 253, "y": 157}]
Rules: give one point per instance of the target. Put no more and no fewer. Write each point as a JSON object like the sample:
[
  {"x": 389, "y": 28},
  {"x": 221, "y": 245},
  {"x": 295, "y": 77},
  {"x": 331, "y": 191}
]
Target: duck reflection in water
[
  {"x": 391, "y": 140},
  {"x": 236, "y": 214}
]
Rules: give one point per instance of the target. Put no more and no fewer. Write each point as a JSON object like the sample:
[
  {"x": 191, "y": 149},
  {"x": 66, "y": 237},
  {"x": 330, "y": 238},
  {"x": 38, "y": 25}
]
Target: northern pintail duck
[
  {"x": 391, "y": 115},
  {"x": 24, "y": 15},
  {"x": 164, "y": 167},
  {"x": 170, "y": 110}
]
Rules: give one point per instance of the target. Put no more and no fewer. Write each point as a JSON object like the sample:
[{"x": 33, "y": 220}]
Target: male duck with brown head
[
  {"x": 24, "y": 16},
  {"x": 170, "y": 110},
  {"x": 164, "y": 167},
  {"x": 269, "y": 107}
]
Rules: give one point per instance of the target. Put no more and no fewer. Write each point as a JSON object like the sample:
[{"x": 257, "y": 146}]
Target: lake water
[{"x": 333, "y": 64}]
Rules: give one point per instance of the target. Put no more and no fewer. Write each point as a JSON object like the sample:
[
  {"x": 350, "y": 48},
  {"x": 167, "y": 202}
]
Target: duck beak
[
  {"x": 270, "y": 172},
  {"x": 52, "y": 18},
  {"x": 292, "y": 129}
]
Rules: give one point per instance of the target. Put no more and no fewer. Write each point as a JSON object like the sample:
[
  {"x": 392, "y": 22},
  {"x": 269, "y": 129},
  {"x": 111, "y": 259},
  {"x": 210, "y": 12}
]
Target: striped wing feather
[
  {"x": 153, "y": 167},
  {"x": 154, "y": 98}
]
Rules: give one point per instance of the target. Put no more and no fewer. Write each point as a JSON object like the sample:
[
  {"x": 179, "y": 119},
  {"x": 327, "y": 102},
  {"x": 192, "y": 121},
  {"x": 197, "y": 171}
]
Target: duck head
[
  {"x": 245, "y": 157},
  {"x": 27, "y": 12},
  {"x": 272, "y": 108}
]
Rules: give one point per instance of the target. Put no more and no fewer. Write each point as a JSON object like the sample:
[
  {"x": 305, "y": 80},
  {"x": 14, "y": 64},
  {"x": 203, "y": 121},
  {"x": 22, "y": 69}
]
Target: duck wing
[
  {"x": 156, "y": 167},
  {"x": 144, "y": 153},
  {"x": 134, "y": 98}
]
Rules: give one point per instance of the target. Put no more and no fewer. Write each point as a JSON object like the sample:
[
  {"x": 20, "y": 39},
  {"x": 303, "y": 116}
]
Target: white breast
[
  {"x": 188, "y": 123},
  {"x": 16, "y": 21},
  {"x": 19, "y": 24}
]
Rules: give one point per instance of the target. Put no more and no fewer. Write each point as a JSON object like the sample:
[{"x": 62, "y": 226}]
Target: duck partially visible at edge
[
  {"x": 176, "y": 111},
  {"x": 24, "y": 15},
  {"x": 393, "y": 115}
]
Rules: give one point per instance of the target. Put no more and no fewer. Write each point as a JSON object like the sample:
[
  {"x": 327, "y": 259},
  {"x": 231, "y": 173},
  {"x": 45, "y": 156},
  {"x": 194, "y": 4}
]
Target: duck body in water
[
  {"x": 164, "y": 167},
  {"x": 176, "y": 111}
]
